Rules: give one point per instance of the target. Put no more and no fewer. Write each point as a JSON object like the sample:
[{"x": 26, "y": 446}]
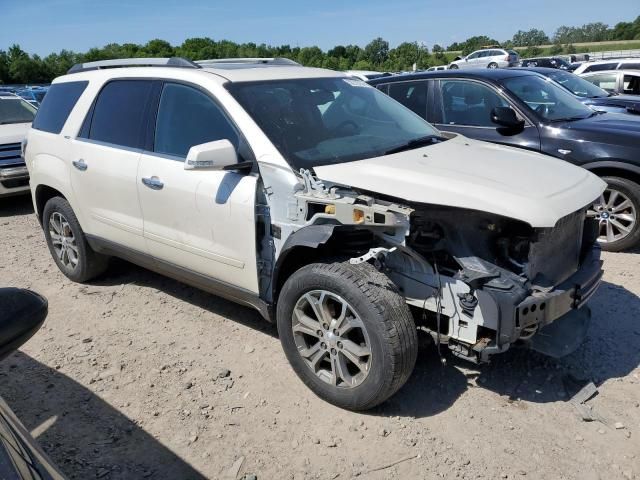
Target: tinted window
[
  {"x": 600, "y": 67},
  {"x": 57, "y": 105},
  {"x": 469, "y": 103},
  {"x": 606, "y": 81},
  {"x": 630, "y": 65},
  {"x": 631, "y": 84},
  {"x": 474, "y": 55},
  {"x": 412, "y": 95},
  {"x": 188, "y": 117},
  {"x": 15, "y": 110},
  {"x": 119, "y": 115}
]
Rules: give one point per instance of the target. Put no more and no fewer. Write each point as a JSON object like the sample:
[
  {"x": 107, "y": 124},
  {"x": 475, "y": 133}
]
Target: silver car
[
  {"x": 624, "y": 82},
  {"x": 488, "y": 58}
]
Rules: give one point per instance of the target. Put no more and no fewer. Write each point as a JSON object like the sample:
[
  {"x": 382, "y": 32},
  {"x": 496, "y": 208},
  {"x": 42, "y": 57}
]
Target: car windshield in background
[
  {"x": 578, "y": 86},
  {"x": 323, "y": 121},
  {"x": 15, "y": 110},
  {"x": 546, "y": 98}
]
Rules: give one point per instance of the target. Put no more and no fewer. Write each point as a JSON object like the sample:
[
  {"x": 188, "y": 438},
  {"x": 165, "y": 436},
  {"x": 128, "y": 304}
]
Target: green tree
[
  {"x": 376, "y": 52},
  {"x": 4, "y": 67},
  {"x": 530, "y": 38}
]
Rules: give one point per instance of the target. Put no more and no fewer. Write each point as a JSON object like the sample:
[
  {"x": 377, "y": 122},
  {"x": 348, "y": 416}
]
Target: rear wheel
[
  {"x": 67, "y": 243},
  {"x": 347, "y": 332},
  {"x": 618, "y": 213},
  {"x": 492, "y": 65},
  {"x": 453, "y": 66}
]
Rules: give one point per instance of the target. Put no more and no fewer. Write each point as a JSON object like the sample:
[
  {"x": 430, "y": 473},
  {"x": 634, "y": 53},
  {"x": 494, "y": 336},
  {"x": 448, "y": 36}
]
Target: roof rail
[
  {"x": 134, "y": 62},
  {"x": 248, "y": 61}
]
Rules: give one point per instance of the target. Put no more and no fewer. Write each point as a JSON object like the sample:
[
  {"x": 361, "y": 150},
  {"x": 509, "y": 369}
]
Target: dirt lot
[{"x": 138, "y": 376}]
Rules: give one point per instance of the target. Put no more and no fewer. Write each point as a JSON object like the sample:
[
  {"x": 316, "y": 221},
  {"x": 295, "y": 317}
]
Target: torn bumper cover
[{"x": 554, "y": 322}]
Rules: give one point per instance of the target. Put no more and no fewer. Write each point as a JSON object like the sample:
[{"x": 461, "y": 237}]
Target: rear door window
[
  {"x": 412, "y": 95},
  {"x": 57, "y": 105},
  {"x": 120, "y": 113}
]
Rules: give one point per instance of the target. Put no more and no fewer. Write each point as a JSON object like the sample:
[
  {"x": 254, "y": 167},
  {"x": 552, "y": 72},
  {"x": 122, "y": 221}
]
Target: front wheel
[
  {"x": 347, "y": 332},
  {"x": 618, "y": 214}
]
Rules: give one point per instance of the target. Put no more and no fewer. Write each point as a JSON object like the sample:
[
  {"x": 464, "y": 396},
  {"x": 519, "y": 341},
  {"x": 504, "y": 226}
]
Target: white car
[
  {"x": 488, "y": 58},
  {"x": 366, "y": 75},
  {"x": 321, "y": 202},
  {"x": 16, "y": 116},
  {"x": 614, "y": 64}
]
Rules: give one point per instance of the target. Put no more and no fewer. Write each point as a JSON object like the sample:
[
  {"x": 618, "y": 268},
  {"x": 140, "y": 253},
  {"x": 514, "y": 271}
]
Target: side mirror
[
  {"x": 211, "y": 156},
  {"x": 506, "y": 117},
  {"x": 22, "y": 312}
]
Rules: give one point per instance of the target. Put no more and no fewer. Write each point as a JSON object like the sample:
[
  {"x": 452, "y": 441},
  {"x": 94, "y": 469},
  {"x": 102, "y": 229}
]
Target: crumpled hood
[
  {"x": 471, "y": 174},
  {"x": 13, "y": 132}
]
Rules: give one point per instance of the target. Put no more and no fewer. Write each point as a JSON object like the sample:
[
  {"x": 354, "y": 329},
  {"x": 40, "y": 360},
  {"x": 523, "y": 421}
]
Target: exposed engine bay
[{"x": 476, "y": 281}]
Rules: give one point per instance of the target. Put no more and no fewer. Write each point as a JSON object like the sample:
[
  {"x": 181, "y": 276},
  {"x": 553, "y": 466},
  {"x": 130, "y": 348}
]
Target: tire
[
  {"x": 382, "y": 325},
  {"x": 492, "y": 65},
  {"x": 58, "y": 216},
  {"x": 453, "y": 67},
  {"x": 626, "y": 189}
]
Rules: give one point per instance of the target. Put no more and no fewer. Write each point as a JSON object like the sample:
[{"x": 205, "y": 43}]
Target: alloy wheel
[
  {"x": 331, "y": 338},
  {"x": 616, "y": 214},
  {"x": 63, "y": 240}
]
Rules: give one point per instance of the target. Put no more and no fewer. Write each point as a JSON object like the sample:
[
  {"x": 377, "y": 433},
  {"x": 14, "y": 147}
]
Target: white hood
[
  {"x": 470, "y": 174},
  {"x": 13, "y": 132}
]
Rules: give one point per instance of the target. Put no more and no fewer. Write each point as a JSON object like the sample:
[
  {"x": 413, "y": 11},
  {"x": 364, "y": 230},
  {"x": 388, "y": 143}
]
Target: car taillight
[{"x": 507, "y": 58}]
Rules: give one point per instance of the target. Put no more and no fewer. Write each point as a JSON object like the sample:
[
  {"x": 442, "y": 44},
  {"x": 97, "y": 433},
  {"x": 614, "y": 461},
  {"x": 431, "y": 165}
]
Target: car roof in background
[{"x": 484, "y": 73}]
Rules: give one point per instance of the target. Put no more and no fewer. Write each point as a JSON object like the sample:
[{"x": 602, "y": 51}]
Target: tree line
[{"x": 18, "y": 66}]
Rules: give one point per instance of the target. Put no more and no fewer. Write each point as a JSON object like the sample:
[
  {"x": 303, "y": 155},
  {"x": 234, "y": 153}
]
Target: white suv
[
  {"x": 488, "y": 58},
  {"x": 323, "y": 203}
]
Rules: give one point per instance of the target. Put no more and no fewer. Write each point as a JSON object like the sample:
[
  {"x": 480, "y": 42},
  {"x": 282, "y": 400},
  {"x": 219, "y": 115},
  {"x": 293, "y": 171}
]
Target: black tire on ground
[
  {"x": 632, "y": 190},
  {"x": 492, "y": 65},
  {"x": 385, "y": 315},
  {"x": 89, "y": 263}
]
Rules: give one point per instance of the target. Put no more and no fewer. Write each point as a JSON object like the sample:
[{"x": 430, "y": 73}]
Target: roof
[
  {"x": 484, "y": 73},
  {"x": 232, "y": 70}
]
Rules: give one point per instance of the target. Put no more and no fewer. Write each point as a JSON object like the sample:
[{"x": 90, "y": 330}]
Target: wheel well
[
  {"x": 343, "y": 244},
  {"x": 45, "y": 193},
  {"x": 616, "y": 172}
]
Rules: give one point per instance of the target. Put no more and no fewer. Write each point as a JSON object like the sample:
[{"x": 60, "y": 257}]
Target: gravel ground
[{"x": 138, "y": 376}]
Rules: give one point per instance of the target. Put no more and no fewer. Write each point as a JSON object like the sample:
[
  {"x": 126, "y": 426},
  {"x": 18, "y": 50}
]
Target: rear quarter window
[{"x": 57, "y": 105}]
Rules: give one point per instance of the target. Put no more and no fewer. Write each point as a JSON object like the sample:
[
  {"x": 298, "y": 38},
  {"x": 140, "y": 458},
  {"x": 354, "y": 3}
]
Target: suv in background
[
  {"x": 321, "y": 202},
  {"x": 488, "y": 58},
  {"x": 523, "y": 109},
  {"x": 16, "y": 116},
  {"x": 599, "y": 66},
  {"x": 548, "y": 62}
]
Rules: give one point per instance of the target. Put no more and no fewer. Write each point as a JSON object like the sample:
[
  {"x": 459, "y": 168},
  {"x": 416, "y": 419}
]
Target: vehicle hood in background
[
  {"x": 471, "y": 174},
  {"x": 13, "y": 132}
]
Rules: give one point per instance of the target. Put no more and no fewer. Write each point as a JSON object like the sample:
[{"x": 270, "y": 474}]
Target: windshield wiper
[{"x": 415, "y": 143}]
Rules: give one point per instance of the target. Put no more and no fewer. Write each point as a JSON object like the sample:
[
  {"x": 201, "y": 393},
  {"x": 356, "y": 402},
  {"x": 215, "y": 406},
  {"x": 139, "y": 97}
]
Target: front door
[
  {"x": 464, "y": 106},
  {"x": 105, "y": 163},
  {"x": 199, "y": 220}
]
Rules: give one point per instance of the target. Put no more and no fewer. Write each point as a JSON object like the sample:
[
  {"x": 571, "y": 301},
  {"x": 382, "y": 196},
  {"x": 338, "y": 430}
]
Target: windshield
[
  {"x": 578, "y": 86},
  {"x": 546, "y": 98},
  {"x": 323, "y": 121},
  {"x": 15, "y": 110}
]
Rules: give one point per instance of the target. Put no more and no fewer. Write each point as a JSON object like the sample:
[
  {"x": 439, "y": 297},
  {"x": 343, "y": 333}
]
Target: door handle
[
  {"x": 80, "y": 165},
  {"x": 153, "y": 183}
]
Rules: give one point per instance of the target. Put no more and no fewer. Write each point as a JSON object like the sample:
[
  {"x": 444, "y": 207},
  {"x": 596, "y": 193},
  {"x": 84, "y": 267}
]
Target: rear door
[
  {"x": 105, "y": 162},
  {"x": 202, "y": 221},
  {"x": 464, "y": 106}
]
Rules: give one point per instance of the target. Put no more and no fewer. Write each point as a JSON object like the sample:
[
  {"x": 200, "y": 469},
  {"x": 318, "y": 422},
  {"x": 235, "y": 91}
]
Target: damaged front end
[{"x": 477, "y": 281}]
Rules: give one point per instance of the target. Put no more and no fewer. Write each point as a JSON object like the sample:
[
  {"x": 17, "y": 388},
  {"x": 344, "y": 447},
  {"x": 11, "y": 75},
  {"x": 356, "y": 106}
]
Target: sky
[{"x": 46, "y": 26}]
